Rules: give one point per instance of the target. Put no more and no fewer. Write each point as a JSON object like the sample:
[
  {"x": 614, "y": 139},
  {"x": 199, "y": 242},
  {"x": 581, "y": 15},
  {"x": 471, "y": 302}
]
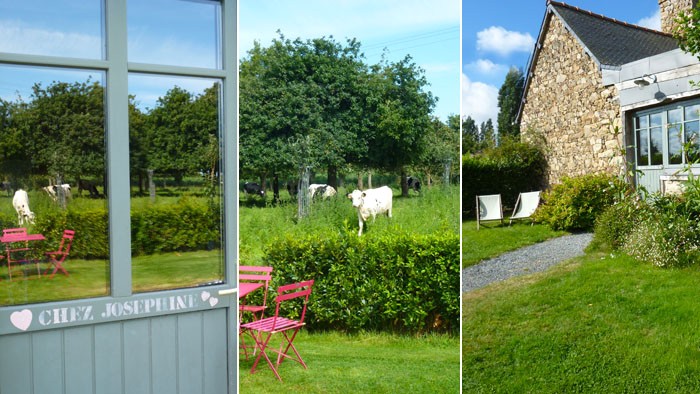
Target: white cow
[
  {"x": 371, "y": 202},
  {"x": 21, "y": 204},
  {"x": 322, "y": 190},
  {"x": 53, "y": 191}
]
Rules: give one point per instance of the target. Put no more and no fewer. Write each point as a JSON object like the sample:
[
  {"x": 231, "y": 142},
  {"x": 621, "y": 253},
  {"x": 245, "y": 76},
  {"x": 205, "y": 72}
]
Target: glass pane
[
  {"x": 656, "y": 148},
  {"x": 692, "y": 112},
  {"x": 642, "y": 148},
  {"x": 656, "y": 119},
  {"x": 692, "y": 135},
  {"x": 675, "y": 116},
  {"x": 52, "y": 139},
  {"x": 69, "y": 28},
  {"x": 175, "y": 32},
  {"x": 641, "y": 122},
  {"x": 675, "y": 143},
  {"x": 176, "y": 215}
]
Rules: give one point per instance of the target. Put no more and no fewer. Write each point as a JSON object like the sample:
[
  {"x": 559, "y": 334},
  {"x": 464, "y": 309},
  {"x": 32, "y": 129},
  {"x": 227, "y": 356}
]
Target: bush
[
  {"x": 665, "y": 240},
  {"x": 509, "y": 169},
  {"x": 613, "y": 226},
  {"x": 576, "y": 202},
  {"x": 399, "y": 282}
]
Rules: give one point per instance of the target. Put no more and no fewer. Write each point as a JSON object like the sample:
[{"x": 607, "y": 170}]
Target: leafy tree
[
  {"x": 488, "y": 134},
  {"x": 441, "y": 147},
  {"x": 509, "y": 98},
  {"x": 470, "y": 136},
  {"x": 302, "y": 104},
  {"x": 402, "y": 118}
]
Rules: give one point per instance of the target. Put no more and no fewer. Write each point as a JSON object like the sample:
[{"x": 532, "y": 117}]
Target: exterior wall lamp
[{"x": 645, "y": 80}]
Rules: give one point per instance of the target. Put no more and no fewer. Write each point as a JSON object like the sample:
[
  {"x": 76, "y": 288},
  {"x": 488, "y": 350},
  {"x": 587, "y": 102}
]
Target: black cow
[
  {"x": 293, "y": 188},
  {"x": 6, "y": 186},
  {"x": 89, "y": 186},
  {"x": 253, "y": 188},
  {"x": 413, "y": 183}
]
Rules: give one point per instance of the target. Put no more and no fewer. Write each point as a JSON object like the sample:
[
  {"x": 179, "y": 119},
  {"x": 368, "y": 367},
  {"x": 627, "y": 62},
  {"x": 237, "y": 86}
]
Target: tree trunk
[
  {"x": 333, "y": 177},
  {"x": 404, "y": 183},
  {"x": 276, "y": 188}
]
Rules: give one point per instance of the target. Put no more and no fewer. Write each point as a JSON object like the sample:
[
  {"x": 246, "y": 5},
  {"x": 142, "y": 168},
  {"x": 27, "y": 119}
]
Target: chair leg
[
  {"x": 263, "y": 345},
  {"x": 282, "y": 355}
]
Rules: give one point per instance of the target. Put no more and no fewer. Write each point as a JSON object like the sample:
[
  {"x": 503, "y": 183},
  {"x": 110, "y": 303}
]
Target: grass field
[
  {"x": 362, "y": 363},
  {"x": 599, "y": 323}
]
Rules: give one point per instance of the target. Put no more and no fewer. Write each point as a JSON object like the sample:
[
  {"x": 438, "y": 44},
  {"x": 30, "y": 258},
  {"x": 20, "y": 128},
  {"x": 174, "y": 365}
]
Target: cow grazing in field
[
  {"x": 413, "y": 183},
  {"x": 90, "y": 187},
  {"x": 53, "y": 190},
  {"x": 21, "y": 203},
  {"x": 253, "y": 188},
  {"x": 321, "y": 190},
  {"x": 371, "y": 202}
]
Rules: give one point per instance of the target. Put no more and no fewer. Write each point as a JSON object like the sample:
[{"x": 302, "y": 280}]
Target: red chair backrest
[
  {"x": 290, "y": 292},
  {"x": 65, "y": 246},
  {"x": 252, "y": 273},
  {"x": 14, "y": 231}
]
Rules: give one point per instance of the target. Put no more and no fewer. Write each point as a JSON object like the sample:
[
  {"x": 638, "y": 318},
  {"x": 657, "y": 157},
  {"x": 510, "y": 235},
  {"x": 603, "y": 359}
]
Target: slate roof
[{"x": 609, "y": 41}]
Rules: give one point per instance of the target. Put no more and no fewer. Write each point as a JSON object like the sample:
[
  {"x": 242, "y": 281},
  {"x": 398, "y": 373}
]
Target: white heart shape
[
  {"x": 213, "y": 301},
  {"x": 205, "y": 295},
  {"x": 21, "y": 319}
]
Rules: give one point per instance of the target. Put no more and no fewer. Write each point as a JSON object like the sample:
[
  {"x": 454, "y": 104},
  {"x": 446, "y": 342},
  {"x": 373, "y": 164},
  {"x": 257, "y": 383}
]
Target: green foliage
[
  {"x": 575, "y": 203},
  {"x": 185, "y": 226},
  {"x": 511, "y": 168},
  {"x": 400, "y": 282},
  {"x": 687, "y": 31},
  {"x": 470, "y": 136},
  {"x": 614, "y": 224},
  {"x": 509, "y": 98}
]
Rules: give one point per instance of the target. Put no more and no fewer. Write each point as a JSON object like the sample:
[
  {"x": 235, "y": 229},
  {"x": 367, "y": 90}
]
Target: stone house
[{"x": 600, "y": 92}]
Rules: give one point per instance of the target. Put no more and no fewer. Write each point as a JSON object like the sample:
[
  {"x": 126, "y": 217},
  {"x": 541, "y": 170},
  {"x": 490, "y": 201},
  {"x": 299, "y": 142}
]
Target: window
[{"x": 667, "y": 136}]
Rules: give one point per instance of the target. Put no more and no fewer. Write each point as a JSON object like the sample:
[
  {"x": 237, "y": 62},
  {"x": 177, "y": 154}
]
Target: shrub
[
  {"x": 576, "y": 202},
  {"x": 508, "y": 169},
  {"x": 399, "y": 282},
  {"x": 665, "y": 240},
  {"x": 616, "y": 222}
]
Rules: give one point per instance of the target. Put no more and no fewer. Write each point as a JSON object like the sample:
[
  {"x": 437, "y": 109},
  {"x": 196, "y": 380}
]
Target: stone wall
[
  {"x": 570, "y": 111},
  {"x": 669, "y": 12}
]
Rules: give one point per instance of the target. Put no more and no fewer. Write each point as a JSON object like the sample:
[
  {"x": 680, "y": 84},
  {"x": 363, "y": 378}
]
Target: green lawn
[
  {"x": 494, "y": 239},
  {"x": 599, "y": 323},
  {"x": 362, "y": 363}
]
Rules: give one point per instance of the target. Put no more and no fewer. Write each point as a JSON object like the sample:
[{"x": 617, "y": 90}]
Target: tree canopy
[{"x": 509, "y": 97}]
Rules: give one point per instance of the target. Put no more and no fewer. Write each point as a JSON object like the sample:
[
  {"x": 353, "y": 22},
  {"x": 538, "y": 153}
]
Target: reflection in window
[
  {"x": 52, "y": 133},
  {"x": 176, "y": 33},
  {"x": 176, "y": 216},
  {"x": 69, "y": 28}
]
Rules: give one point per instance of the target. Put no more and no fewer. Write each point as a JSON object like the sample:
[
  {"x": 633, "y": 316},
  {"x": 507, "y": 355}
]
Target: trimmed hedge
[
  {"x": 185, "y": 226},
  {"x": 398, "y": 282},
  {"x": 509, "y": 169}
]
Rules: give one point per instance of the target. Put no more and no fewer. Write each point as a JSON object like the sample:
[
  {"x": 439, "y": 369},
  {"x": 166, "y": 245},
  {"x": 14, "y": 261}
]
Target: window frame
[{"x": 117, "y": 68}]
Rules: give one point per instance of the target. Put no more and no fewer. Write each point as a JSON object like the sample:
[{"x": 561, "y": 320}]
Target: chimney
[{"x": 670, "y": 10}]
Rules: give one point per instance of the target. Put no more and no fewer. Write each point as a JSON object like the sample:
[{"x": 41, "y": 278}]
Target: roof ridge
[{"x": 607, "y": 18}]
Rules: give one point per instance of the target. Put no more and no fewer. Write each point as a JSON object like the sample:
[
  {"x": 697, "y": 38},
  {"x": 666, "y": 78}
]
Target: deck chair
[
  {"x": 253, "y": 274},
  {"x": 488, "y": 208},
  {"x": 263, "y": 330},
  {"x": 13, "y": 248},
  {"x": 525, "y": 206},
  {"x": 58, "y": 257}
]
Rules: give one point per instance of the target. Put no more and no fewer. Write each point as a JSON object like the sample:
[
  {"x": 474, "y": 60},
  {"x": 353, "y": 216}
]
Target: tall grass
[{"x": 436, "y": 209}]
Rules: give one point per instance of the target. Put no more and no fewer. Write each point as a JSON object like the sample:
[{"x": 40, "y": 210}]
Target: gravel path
[{"x": 527, "y": 260}]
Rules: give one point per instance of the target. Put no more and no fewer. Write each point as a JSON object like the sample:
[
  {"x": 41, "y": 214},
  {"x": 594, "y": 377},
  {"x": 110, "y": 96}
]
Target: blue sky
[
  {"x": 427, "y": 30},
  {"x": 498, "y": 35}
]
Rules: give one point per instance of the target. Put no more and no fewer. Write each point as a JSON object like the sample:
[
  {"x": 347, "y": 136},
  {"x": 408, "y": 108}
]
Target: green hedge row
[
  {"x": 180, "y": 227},
  {"x": 398, "y": 282},
  {"x": 508, "y": 170}
]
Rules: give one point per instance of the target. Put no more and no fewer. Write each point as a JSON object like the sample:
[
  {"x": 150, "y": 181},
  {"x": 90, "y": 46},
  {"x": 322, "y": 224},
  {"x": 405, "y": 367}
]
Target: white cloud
[
  {"x": 504, "y": 42},
  {"x": 479, "y": 100},
  {"x": 485, "y": 66},
  {"x": 651, "y": 22},
  {"x": 19, "y": 38}
]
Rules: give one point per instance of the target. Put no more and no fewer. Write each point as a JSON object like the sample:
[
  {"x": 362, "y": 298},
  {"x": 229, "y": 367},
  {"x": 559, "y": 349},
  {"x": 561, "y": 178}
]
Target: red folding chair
[
  {"x": 262, "y": 330},
  {"x": 255, "y": 274},
  {"x": 12, "y": 248},
  {"x": 58, "y": 257},
  {"x": 260, "y": 275}
]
